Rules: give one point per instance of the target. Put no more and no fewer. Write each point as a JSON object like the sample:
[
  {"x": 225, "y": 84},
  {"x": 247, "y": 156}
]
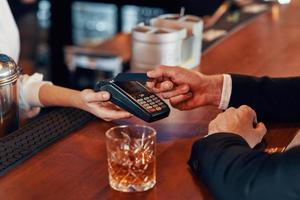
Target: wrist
[
  {"x": 77, "y": 101},
  {"x": 214, "y": 89}
]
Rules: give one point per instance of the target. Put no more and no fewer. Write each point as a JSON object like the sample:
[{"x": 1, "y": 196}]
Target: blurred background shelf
[{"x": 51, "y": 31}]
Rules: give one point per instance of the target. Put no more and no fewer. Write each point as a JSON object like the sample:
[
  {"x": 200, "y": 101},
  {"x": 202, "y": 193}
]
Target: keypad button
[
  {"x": 152, "y": 110},
  {"x": 152, "y": 103},
  {"x": 158, "y": 108},
  {"x": 155, "y": 105},
  {"x": 146, "y": 104},
  {"x": 157, "y": 101},
  {"x": 160, "y": 103},
  {"x": 152, "y": 96},
  {"x": 149, "y": 107},
  {"x": 149, "y": 101},
  {"x": 146, "y": 98},
  {"x": 142, "y": 95}
]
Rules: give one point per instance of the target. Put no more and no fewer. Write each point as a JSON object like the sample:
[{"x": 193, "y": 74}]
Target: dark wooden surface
[{"x": 76, "y": 168}]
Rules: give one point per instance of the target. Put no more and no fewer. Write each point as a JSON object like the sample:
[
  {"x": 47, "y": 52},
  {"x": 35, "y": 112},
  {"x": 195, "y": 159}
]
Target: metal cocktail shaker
[{"x": 9, "y": 95}]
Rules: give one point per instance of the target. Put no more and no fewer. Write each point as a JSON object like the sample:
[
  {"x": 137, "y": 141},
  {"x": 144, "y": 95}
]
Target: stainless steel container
[{"x": 9, "y": 90}]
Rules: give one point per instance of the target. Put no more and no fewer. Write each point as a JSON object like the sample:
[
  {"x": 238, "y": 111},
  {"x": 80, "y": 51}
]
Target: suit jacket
[{"x": 234, "y": 171}]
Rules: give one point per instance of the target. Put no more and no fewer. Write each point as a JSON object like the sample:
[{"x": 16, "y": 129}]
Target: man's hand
[
  {"x": 241, "y": 122},
  {"x": 186, "y": 89}
]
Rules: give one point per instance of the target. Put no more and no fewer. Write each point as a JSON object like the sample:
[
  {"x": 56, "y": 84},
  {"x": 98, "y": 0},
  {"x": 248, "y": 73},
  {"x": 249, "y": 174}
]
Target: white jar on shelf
[
  {"x": 192, "y": 44},
  {"x": 153, "y": 46}
]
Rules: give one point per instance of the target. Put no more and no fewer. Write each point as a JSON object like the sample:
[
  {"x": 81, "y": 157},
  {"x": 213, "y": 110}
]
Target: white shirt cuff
[
  {"x": 29, "y": 91},
  {"x": 226, "y": 92}
]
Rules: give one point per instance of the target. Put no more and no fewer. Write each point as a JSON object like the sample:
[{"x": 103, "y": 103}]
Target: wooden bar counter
[{"x": 76, "y": 167}]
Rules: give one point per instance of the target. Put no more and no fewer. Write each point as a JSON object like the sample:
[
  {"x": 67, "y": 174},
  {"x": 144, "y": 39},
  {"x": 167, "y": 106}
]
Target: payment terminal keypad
[{"x": 150, "y": 102}]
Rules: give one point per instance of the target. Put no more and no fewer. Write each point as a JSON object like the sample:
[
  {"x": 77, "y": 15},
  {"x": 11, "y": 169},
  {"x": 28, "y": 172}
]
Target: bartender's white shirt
[
  {"x": 9, "y": 34},
  {"x": 10, "y": 45}
]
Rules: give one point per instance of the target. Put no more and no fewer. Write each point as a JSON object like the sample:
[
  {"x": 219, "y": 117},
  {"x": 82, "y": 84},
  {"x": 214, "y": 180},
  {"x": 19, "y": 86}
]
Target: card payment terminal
[{"x": 134, "y": 97}]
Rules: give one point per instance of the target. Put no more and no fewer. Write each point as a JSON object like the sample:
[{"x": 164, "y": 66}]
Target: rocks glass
[{"x": 131, "y": 157}]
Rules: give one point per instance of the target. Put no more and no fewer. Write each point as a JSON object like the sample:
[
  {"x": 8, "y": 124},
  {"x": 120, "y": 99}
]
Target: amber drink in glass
[{"x": 131, "y": 157}]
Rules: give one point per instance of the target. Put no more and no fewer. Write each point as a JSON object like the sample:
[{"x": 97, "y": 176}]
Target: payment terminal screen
[{"x": 131, "y": 87}]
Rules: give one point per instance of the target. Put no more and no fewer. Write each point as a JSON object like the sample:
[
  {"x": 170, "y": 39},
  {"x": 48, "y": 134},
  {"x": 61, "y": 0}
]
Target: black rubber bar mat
[{"x": 27, "y": 141}]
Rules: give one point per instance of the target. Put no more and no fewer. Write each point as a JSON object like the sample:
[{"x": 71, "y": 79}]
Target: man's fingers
[
  {"x": 153, "y": 74},
  {"x": 90, "y": 96},
  {"x": 162, "y": 78},
  {"x": 162, "y": 87},
  {"x": 179, "y": 90},
  {"x": 151, "y": 83},
  {"x": 258, "y": 134},
  {"x": 162, "y": 71},
  {"x": 248, "y": 112},
  {"x": 180, "y": 99},
  {"x": 230, "y": 110},
  {"x": 261, "y": 129}
]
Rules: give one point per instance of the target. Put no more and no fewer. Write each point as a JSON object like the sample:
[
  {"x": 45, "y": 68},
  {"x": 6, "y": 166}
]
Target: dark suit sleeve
[
  {"x": 233, "y": 171},
  {"x": 274, "y": 99}
]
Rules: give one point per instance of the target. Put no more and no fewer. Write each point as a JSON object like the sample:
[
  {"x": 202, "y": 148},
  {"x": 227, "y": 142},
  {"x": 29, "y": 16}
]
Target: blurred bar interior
[{"x": 48, "y": 27}]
